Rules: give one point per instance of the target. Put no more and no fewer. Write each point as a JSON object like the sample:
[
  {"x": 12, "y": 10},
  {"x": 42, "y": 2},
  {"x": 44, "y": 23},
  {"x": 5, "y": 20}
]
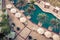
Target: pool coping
[
  {"x": 33, "y": 23},
  {"x": 50, "y": 10}
]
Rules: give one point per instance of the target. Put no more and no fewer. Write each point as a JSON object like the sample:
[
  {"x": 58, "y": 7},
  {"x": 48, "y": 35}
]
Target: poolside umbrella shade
[
  {"x": 56, "y": 9},
  {"x": 23, "y": 19},
  {"x": 56, "y": 37},
  {"x": 18, "y": 15},
  {"x": 47, "y": 5},
  {"x": 48, "y": 34},
  {"x": 13, "y": 10},
  {"x": 40, "y": 30},
  {"x": 9, "y": 6}
]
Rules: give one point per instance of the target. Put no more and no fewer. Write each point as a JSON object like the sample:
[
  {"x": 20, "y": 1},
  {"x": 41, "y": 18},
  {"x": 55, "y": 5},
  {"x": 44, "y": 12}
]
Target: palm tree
[
  {"x": 22, "y": 2},
  {"x": 31, "y": 6},
  {"x": 28, "y": 10},
  {"x": 42, "y": 18},
  {"x": 54, "y": 22},
  {"x": 59, "y": 24}
]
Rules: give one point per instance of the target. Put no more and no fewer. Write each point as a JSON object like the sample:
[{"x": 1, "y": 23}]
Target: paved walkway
[{"x": 30, "y": 29}]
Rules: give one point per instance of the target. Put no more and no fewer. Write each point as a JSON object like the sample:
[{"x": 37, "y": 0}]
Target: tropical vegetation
[
  {"x": 31, "y": 6},
  {"x": 29, "y": 11},
  {"x": 20, "y": 3},
  {"x": 42, "y": 18},
  {"x": 55, "y": 23},
  {"x": 5, "y": 26}
]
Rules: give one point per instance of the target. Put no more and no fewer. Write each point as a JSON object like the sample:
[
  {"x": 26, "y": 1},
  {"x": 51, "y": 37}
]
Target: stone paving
[{"x": 25, "y": 31}]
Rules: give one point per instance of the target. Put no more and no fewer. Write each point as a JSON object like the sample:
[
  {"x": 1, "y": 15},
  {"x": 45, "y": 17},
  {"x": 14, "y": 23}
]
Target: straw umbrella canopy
[
  {"x": 48, "y": 34},
  {"x": 40, "y": 30},
  {"x": 9, "y": 6},
  {"x": 47, "y": 3},
  {"x": 13, "y": 10},
  {"x": 55, "y": 37},
  {"x": 18, "y": 14},
  {"x": 23, "y": 19},
  {"x": 57, "y": 8}
]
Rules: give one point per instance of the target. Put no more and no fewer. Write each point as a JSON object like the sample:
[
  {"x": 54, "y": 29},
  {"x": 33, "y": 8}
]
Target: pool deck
[
  {"x": 41, "y": 5},
  {"x": 30, "y": 29}
]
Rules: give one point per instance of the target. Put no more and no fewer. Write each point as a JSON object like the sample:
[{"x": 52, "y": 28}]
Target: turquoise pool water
[{"x": 34, "y": 16}]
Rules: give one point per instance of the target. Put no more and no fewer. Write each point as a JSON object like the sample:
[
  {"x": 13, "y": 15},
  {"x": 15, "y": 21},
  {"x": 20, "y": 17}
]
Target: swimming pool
[{"x": 34, "y": 16}]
